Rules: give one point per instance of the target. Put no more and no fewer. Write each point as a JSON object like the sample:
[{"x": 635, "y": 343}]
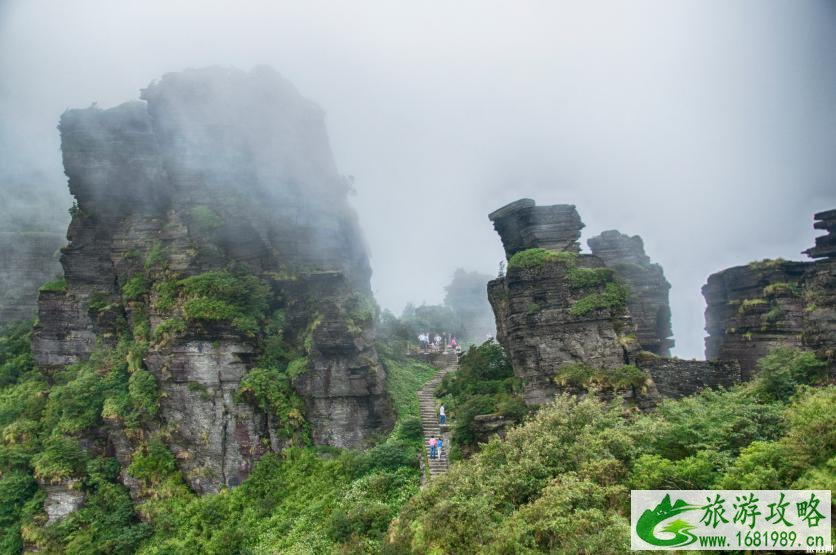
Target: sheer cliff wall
[
  {"x": 755, "y": 308},
  {"x": 570, "y": 320},
  {"x": 212, "y": 230},
  {"x": 647, "y": 298}
]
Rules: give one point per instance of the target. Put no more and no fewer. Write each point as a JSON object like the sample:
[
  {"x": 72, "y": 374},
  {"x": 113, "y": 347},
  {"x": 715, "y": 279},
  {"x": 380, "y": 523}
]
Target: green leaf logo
[{"x": 679, "y": 528}]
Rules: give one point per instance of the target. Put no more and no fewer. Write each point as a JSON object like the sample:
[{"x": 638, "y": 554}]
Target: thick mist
[{"x": 706, "y": 127}]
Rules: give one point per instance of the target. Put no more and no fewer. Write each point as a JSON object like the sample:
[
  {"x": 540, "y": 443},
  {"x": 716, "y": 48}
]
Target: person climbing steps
[{"x": 433, "y": 444}]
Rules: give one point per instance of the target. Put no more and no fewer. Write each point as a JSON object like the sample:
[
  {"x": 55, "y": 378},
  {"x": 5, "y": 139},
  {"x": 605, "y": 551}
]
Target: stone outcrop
[
  {"x": 537, "y": 312},
  {"x": 820, "y": 293},
  {"x": 218, "y": 171},
  {"x": 524, "y": 225},
  {"x": 62, "y": 499},
  {"x": 755, "y": 308},
  {"x": 30, "y": 258},
  {"x": 825, "y": 246},
  {"x": 677, "y": 378},
  {"x": 647, "y": 301}
]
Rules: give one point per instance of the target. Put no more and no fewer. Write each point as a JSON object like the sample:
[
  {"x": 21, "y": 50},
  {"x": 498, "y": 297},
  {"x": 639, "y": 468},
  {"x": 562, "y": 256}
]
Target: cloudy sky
[{"x": 708, "y": 127}]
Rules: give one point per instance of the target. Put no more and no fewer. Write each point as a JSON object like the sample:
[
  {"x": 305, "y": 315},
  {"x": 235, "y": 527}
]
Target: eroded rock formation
[
  {"x": 648, "y": 289},
  {"x": 565, "y": 320},
  {"x": 561, "y": 310},
  {"x": 212, "y": 224},
  {"x": 524, "y": 225},
  {"x": 820, "y": 292},
  {"x": 755, "y": 308}
]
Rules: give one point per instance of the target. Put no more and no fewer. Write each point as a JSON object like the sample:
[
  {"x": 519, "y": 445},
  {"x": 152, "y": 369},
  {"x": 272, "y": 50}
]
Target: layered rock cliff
[
  {"x": 572, "y": 321},
  {"x": 648, "y": 289},
  {"x": 212, "y": 239},
  {"x": 755, "y": 308},
  {"x": 555, "y": 307}
]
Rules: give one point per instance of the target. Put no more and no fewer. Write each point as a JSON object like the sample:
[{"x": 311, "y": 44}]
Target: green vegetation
[
  {"x": 99, "y": 302},
  {"x": 240, "y": 299},
  {"x": 578, "y": 375},
  {"x": 483, "y": 384},
  {"x": 766, "y": 263},
  {"x": 169, "y": 328},
  {"x": 750, "y": 304},
  {"x": 532, "y": 258},
  {"x": 613, "y": 297},
  {"x": 155, "y": 257},
  {"x": 782, "y": 289},
  {"x": 405, "y": 376},
  {"x": 43, "y": 427},
  {"x": 303, "y": 500},
  {"x": 135, "y": 288},
  {"x": 560, "y": 483},
  {"x": 775, "y": 313},
  {"x": 205, "y": 219},
  {"x": 270, "y": 390},
  {"x": 583, "y": 278},
  {"x": 58, "y": 285}
]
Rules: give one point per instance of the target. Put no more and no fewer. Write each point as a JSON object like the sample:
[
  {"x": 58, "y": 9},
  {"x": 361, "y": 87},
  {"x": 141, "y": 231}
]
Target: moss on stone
[
  {"x": 782, "y": 289},
  {"x": 137, "y": 286},
  {"x": 205, "y": 219},
  {"x": 613, "y": 297},
  {"x": 240, "y": 299},
  {"x": 58, "y": 285},
  {"x": 750, "y": 304},
  {"x": 580, "y": 375},
  {"x": 532, "y": 258},
  {"x": 766, "y": 263},
  {"x": 584, "y": 278}
]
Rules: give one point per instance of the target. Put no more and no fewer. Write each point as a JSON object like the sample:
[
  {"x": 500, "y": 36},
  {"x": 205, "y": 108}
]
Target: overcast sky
[{"x": 706, "y": 127}]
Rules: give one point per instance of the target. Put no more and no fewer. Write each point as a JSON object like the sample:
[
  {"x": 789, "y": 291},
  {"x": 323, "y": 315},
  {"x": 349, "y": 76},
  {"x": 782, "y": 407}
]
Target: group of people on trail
[
  {"x": 436, "y": 343},
  {"x": 436, "y": 444}
]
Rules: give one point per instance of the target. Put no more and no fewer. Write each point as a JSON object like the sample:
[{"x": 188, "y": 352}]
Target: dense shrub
[
  {"x": 613, "y": 297},
  {"x": 224, "y": 296},
  {"x": 784, "y": 369},
  {"x": 575, "y": 462},
  {"x": 532, "y": 258},
  {"x": 483, "y": 384},
  {"x": 57, "y": 285}
]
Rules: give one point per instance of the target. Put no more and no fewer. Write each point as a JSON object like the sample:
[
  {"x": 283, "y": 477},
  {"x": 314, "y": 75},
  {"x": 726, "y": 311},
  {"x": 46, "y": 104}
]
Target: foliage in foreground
[
  {"x": 561, "y": 482},
  {"x": 483, "y": 384},
  {"x": 303, "y": 500},
  {"x": 558, "y": 483}
]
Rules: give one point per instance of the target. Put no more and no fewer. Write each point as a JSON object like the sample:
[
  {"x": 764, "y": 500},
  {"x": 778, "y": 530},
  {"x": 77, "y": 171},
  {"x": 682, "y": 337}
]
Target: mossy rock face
[
  {"x": 212, "y": 264},
  {"x": 58, "y": 285},
  {"x": 532, "y": 258}
]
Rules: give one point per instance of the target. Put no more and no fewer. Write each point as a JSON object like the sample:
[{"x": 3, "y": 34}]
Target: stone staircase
[{"x": 429, "y": 416}]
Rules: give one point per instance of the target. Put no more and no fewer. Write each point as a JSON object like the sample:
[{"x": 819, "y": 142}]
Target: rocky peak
[
  {"x": 754, "y": 308},
  {"x": 523, "y": 225},
  {"x": 825, "y": 244},
  {"x": 648, "y": 289},
  {"x": 212, "y": 235},
  {"x": 557, "y": 310}
]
